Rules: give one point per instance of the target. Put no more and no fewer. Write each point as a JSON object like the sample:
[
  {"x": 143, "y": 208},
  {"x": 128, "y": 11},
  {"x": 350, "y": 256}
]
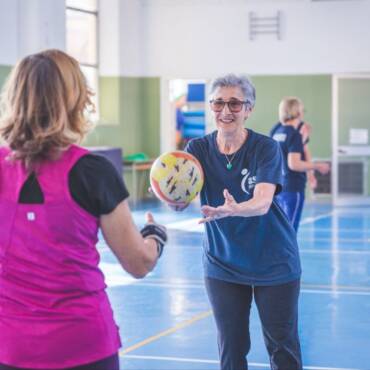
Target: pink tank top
[{"x": 54, "y": 312}]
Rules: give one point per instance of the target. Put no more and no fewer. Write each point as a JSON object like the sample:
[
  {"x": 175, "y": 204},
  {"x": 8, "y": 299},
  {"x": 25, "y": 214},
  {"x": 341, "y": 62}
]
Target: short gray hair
[{"x": 232, "y": 80}]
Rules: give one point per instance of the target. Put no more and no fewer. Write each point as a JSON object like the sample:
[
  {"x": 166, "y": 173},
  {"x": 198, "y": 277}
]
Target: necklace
[{"x": 229, "y": 165}]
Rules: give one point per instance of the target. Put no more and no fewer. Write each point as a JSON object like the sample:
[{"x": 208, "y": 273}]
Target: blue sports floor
[{"x": 165, "y": 319}]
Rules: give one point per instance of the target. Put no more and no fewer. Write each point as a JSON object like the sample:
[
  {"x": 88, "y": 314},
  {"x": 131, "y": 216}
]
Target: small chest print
[
  {"x": 248, "y": 181},
  {"x": 31, "y": 216}
]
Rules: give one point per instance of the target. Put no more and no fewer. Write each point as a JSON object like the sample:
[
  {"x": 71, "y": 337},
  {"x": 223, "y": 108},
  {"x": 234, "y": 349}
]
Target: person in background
[
  {"x": 292, "y": 135},
  {"x": 250, "y": 249},
  {"x": 54, "y": 197},
  {"x": 180, "y": 103},
  {"x": 304, "y": 128}
]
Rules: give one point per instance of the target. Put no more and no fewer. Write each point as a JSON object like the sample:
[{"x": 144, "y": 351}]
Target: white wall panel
[
  {"x": 202, "y": 38},
  {"x": 8, "y": 32}
]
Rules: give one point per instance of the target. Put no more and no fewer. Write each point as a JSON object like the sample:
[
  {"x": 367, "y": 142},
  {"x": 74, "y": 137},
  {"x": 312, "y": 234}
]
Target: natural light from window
[{"x": 82, "y": 41}]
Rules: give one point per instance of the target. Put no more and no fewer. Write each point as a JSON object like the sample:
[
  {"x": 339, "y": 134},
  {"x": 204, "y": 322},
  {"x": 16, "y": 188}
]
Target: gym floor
[{"x": 165, "y": 319}]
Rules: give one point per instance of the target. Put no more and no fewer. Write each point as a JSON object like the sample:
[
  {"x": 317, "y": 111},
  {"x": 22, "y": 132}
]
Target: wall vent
[
  {"x": 351, "y": 179},
  {"x": 323, "y": 183},
  {"x": 262, "y": 25}
]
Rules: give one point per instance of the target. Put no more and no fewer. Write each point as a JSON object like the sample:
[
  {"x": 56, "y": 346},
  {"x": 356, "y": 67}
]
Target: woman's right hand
[
  {"x": 153, "y": 230},
  {"x": 229, "y": 208}
]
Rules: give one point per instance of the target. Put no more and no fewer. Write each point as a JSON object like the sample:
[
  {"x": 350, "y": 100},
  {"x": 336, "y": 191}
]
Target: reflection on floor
[{"x": 165, "y": 319}]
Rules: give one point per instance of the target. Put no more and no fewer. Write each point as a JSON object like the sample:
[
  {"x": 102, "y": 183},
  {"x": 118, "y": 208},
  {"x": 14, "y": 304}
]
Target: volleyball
[{"x": 176, "y": 177}]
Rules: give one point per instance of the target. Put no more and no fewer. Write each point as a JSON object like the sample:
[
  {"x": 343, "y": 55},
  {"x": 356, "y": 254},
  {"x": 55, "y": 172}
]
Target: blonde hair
[
  {"x": 290, "y": 108},
  {"x": 43, "y": 104}
]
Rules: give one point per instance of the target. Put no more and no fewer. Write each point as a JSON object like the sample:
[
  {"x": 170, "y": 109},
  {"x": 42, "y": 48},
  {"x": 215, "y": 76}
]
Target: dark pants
[
  {"x": 109, "y": 363},
  {"x": 292, "y": 205},
  {"x": 278, "y": 311}
]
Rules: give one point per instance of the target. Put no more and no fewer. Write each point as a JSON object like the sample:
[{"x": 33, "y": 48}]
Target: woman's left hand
[
  {"x": 229, "y": 208},
  {"x": 305, "y": 131}
]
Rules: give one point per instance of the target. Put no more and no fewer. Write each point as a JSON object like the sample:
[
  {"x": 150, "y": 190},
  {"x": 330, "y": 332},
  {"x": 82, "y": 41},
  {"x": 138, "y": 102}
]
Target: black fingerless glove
[{"x": 156, "y": 232}]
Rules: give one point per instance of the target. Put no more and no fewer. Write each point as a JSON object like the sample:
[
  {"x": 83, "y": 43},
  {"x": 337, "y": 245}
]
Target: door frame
[{"x": 336, "y": 148}]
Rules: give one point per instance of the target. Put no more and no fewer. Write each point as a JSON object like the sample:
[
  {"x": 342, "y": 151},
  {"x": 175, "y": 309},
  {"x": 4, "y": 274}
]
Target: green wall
[
  {"x": 129, "y": 114},
  {"x": 353, "y": 106},
  {"x": 314, "y": 90},
  {"x": 4, "y": 72},
  {"x": 130, "y": 119},
  {"x": 130, "y": 110}
]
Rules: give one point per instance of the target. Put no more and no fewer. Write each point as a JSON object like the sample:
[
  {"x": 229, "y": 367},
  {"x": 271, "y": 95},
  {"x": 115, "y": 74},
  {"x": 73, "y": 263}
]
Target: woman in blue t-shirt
[
  {"x": 250, "y": 248},
  {"x": 297, "y": 160}
]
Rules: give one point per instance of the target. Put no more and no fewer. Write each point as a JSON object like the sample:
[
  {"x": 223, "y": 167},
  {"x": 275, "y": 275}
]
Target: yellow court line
[{"x": 179, "y": 326}]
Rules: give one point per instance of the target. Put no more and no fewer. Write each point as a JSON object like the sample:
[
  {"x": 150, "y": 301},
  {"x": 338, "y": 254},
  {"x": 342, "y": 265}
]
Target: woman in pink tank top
[{"x": 54, "y": 311}]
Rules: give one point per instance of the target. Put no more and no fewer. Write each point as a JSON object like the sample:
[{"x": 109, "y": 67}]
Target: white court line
[
  {"x": 357, "y": 210},
  {"x": 335, "y": 290},
  {"x": 301, "y": 250},
  {"x": 205, "y": 361},
  {"x": 312, "y": 251},
  {"x": 192, "y": 224},
  {"x": 329, "y": 251},
  {"x": 338, "y": 240},
  {"x": 308, "y": 220},
  {"x": 334, "y": 229}
]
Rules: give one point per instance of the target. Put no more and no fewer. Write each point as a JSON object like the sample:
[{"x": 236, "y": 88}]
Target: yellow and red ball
[{"x": 176, "y": 177}]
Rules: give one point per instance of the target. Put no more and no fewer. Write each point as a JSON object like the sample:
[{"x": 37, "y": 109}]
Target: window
[{"x": 82, "y": 39}]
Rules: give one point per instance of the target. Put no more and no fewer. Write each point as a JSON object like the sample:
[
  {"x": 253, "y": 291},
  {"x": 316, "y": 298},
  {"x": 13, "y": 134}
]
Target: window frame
[{"x": 95, "y": 65}]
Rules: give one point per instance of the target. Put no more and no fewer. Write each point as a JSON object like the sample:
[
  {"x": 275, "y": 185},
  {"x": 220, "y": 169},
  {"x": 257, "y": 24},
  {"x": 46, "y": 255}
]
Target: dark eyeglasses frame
[{"x": 228, "y": 105}]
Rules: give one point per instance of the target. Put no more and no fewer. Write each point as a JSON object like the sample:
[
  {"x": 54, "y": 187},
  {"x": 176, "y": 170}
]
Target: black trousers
[
  {"x": 109, "y": 363},
  {"x": 278, "y": 311}
]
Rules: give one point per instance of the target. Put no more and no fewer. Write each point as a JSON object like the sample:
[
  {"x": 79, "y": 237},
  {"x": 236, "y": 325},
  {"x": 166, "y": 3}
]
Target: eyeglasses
[{"x": 234, "y": 105}]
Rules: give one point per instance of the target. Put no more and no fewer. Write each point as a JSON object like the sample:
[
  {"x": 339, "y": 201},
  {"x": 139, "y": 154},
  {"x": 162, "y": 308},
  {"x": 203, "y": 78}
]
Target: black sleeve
[
  {"x": 96, "y": 185},
  {"x": 300, "y": 125}
]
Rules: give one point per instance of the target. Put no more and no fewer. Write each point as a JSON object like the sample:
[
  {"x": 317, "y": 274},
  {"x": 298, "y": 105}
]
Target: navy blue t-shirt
[
  {"x": 259, "y": 250},
  {"x": 290, "y": 141}
]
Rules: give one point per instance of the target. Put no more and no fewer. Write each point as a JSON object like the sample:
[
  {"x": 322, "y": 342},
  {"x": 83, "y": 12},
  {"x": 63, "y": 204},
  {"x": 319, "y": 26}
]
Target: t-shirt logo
[
  {"x": 279, "y": 137},
  {"x": 248, "y": 181}
]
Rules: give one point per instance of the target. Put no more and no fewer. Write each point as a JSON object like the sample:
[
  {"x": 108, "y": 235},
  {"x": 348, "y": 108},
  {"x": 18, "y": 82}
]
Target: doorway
[
  {"x": 350, "y": 134},
  {"x": 183, "y": 112}
]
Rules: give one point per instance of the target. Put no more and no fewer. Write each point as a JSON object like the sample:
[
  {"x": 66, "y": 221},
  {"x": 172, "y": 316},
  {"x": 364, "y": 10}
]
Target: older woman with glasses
[{"x": 250, "y": 249}]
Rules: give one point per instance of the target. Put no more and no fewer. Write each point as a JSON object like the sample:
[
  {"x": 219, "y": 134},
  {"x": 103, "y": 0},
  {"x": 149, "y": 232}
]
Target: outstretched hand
[{"x": 229, "y": 208}]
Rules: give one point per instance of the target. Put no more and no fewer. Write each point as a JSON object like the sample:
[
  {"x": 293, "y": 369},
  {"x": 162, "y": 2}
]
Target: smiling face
[{"x": 227, "y": 122}]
